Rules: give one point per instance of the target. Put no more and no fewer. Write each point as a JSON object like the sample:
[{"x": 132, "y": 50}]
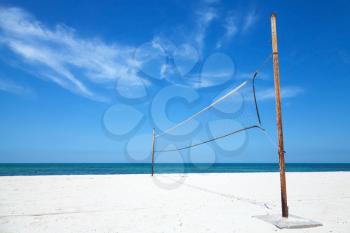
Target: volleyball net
[{"x": 230, "y": 115}]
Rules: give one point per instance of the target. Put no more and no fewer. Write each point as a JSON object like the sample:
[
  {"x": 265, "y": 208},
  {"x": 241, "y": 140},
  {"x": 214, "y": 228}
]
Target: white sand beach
[{"x": 171, "y": 203}]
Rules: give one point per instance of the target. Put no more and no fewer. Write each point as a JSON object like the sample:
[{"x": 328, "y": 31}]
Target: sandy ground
[{"x": 170, "y": 203}]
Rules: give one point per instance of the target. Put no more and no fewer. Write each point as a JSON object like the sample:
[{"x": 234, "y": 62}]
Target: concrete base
[{"x": 291, "y": 222}]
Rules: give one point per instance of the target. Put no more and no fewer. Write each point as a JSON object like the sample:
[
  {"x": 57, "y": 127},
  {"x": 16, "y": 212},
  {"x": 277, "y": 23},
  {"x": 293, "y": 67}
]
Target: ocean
[{"x": 31, "y": 169}]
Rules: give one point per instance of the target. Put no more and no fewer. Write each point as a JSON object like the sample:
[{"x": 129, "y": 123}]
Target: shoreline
[
  {"x": 182, "y": 174},
  {"x": 162, "y": 168}
]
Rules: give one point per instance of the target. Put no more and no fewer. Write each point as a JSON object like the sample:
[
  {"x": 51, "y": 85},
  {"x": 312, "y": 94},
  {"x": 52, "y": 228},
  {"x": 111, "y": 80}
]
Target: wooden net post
[
  {"x": 153, "y": 142},
  {"x": 279, "y": 117}
]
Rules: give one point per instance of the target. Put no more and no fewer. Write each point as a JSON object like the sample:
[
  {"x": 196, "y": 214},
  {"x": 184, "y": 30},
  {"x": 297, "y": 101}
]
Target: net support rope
[
  {"x": 257, "y": 126},
  {"x": 210, "y": 140}
]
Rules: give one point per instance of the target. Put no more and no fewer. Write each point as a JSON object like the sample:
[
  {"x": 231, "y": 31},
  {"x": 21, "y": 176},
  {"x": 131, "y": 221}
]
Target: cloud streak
[
  {"x": 9, "y": 86},
  {"x": 90, "y": 67},
  {"x": 80, "y": 65},
  {"x": 249, "y": 20},
  {"x": 204, "y": 18},
  {"x": 286, "y": 92},
  {"x": 236, "y": 23}
]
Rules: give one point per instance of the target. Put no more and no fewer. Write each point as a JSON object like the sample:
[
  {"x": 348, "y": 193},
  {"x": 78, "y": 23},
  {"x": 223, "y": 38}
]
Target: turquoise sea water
[{"x": 31, "y": 169}]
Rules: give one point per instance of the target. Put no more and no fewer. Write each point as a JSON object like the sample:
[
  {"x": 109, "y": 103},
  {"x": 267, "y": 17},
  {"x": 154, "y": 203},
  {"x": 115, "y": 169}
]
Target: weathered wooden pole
[
  {"x": 153, "y": 142},
  {"x": 279, "y": 117}
]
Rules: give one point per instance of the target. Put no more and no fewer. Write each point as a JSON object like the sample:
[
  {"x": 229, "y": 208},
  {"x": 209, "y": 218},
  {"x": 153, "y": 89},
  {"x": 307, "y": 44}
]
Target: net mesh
[{"x": 233, "y": 112}]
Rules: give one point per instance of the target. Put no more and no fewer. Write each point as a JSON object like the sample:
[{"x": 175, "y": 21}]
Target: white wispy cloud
[
  {"x": 187, "y": 49},
  {"x": 203, "y": 20},
  {"x": 10, "y": 86},
  {"x": 237, "y": 22},
  {"x": 208, "y": 79},
  {"x": 249, "y": 20},
  {"x": 80, "y": 65},
  {"x": 231, "y": 27},
  {"x": 286, "y": 92},
  {"x": 194, "y": 33},
  {"x": 89, "y": 66}
]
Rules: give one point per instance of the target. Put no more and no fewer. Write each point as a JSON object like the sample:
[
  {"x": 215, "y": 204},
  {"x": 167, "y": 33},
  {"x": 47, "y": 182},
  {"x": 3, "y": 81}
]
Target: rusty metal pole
[
  {"x": 279, "y": 117},
  {"x": 153, "y": 142}
]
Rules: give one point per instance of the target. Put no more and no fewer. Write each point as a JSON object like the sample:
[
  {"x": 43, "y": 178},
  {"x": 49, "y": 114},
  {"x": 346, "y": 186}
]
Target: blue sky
[{"x": 78, "y": 80}]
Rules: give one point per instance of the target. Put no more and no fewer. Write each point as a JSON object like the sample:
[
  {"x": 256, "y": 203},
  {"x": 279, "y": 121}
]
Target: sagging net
[
  {"x": 224, "y": 123},
  {"x": 234, "y": 112}
]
